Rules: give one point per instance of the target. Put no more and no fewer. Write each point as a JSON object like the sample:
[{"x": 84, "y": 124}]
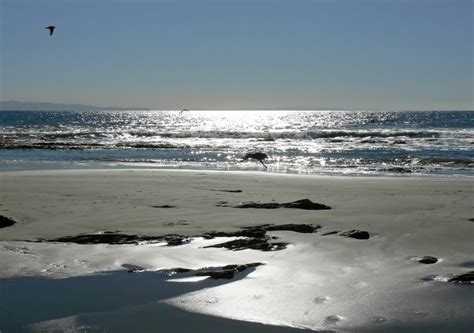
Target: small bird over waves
[{"x": 51, "y": 29}]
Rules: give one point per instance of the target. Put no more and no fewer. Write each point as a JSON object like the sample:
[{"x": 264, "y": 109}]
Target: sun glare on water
[{"x": 250, "y": 120}]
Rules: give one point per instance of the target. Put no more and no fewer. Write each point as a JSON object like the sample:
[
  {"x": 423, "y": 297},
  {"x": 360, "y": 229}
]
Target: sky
[{"x": 240, "y": 54}]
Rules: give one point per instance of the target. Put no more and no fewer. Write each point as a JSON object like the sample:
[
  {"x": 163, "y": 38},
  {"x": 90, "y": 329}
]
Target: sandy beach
[{"x": 384, "y": 257}]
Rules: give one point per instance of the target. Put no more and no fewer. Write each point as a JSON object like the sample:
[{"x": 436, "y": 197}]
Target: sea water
[{"x": 306, "y": 142}]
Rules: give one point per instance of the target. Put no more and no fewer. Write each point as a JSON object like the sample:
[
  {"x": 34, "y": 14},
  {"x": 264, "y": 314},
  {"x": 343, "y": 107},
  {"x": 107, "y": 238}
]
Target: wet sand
[{"x": 359, "y": 267}]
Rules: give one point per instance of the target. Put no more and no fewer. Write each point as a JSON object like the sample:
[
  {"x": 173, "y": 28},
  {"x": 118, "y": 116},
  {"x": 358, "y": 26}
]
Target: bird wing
[{"x": 51, "y": 29}]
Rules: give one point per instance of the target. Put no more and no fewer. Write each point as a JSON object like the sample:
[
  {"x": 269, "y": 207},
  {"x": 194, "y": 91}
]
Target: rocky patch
[
  {"x": 261, "y": 244},
  {"x": 427, "y": 260},
  {"x": 6, "y": 222},
  {"x": 261, "y": 230},
  {"x": 330, "y": 233},
  {"x": 465, "y": 278},
  {"x": 228, "y": 191},
  {"x": 118, "y": 238},
  {"x": 357, "y": 234},
  {"x": 215, "y": 273},
  {"x": 305, "y": 204},
  {"x": 254, "y": 238}
]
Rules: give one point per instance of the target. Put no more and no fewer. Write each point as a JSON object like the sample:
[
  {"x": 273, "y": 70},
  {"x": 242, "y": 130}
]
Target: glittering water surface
[{"x": 313, "y": 142}]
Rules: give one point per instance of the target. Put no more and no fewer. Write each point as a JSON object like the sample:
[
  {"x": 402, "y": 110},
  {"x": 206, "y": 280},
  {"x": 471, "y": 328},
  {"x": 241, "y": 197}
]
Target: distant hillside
[{"x": 41, "y": 106}]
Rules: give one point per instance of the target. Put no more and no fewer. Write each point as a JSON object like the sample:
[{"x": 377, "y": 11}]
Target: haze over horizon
[{"x": 263, "y": 54}]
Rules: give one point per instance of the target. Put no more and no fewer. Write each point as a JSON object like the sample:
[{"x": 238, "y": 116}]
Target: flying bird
[
  {"x": 256, "y": 156},
  {"x": 51, "y": 29}
]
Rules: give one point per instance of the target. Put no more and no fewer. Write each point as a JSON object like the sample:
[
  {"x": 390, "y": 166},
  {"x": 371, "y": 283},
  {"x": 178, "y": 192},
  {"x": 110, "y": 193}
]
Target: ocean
[{"x": 356, "y": 143}]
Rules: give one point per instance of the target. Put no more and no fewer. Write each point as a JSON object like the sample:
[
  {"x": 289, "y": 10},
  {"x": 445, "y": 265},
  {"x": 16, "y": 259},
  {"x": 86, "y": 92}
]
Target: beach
[
  {"x": 236, "y": 166},
  {"x": 383, "y": 256}
]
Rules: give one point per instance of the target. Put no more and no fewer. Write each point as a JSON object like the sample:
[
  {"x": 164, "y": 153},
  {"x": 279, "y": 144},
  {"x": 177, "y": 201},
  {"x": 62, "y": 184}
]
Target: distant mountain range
[{"x": 42, "y": 106}]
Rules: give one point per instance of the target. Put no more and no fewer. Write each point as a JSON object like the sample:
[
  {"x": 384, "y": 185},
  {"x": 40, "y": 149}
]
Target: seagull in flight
[{"x": 51, "y": 29}]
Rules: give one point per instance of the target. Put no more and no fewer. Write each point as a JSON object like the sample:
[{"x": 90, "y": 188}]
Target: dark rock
[
  {"x": 261, "y": 230},
  {"x": 250, "y": 232},
  {"x": 467, "y": 278},
  {"x": 270, "y": 205},
  {"x": 117, "y": 238},
  {"x": 428, "y": 260},
  {"x": 113, "y": 238},
  {"x": 255, "y": 232},
  {"x": 6, "y": 222},
  {"x": 251, "y": 243},
  {"x": 471, "y": 220},
  {"x": 357, "y": 234},
  {"x": 305, "y": 204},
  {"x": 299, "y": 204},
  {"x": 176, "y": 240},
  {"x": 227, "y": 272},
  {"x": 172, "y": 271},
  {"x": 164, "y": 206},
  {"x": 217, "y": 275},
  {"x": 241, "y": 268},
  {"x": 255, "y": 237},
  {"x": 330, "y": 233},
  {"x": 229, "y": 191},
  {"x": 301, "y": 228},
  {"x": 105, "y": 238},
  {"x": 133, "y": 268}
]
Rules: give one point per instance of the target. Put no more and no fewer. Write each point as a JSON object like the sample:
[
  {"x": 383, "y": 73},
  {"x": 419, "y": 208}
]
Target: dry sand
[{"x": 318, "y": 282}]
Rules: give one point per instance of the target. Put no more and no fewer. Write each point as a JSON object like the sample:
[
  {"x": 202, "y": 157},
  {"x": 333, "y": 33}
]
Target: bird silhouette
[
  {"x": 256, "y": 156},
  {"x": 51, "y": 29}
]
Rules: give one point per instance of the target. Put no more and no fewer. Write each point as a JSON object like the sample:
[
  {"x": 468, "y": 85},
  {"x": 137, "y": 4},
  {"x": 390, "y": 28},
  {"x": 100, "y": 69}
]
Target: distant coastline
[{"x": 44, "y": 106}]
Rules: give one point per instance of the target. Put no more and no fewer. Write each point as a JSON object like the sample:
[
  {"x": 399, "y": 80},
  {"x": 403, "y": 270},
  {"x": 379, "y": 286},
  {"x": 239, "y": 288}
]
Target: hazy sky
[{"x": 173, "y": 54}]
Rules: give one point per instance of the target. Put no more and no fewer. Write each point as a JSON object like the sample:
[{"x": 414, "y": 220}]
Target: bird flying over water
[{"x": 51, "y": 29}]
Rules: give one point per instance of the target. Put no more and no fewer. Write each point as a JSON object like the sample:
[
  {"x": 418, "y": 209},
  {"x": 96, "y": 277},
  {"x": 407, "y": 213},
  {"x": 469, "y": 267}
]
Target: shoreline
[
  {"x": 33, "y": 172},
  {"x": 320, "y": 277}
]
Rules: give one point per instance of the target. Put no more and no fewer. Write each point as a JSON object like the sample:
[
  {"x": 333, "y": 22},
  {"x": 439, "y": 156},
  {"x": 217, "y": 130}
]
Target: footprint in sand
[
  {"x": 321, "y": 299},
  {"x": 334, "y": 319}
]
